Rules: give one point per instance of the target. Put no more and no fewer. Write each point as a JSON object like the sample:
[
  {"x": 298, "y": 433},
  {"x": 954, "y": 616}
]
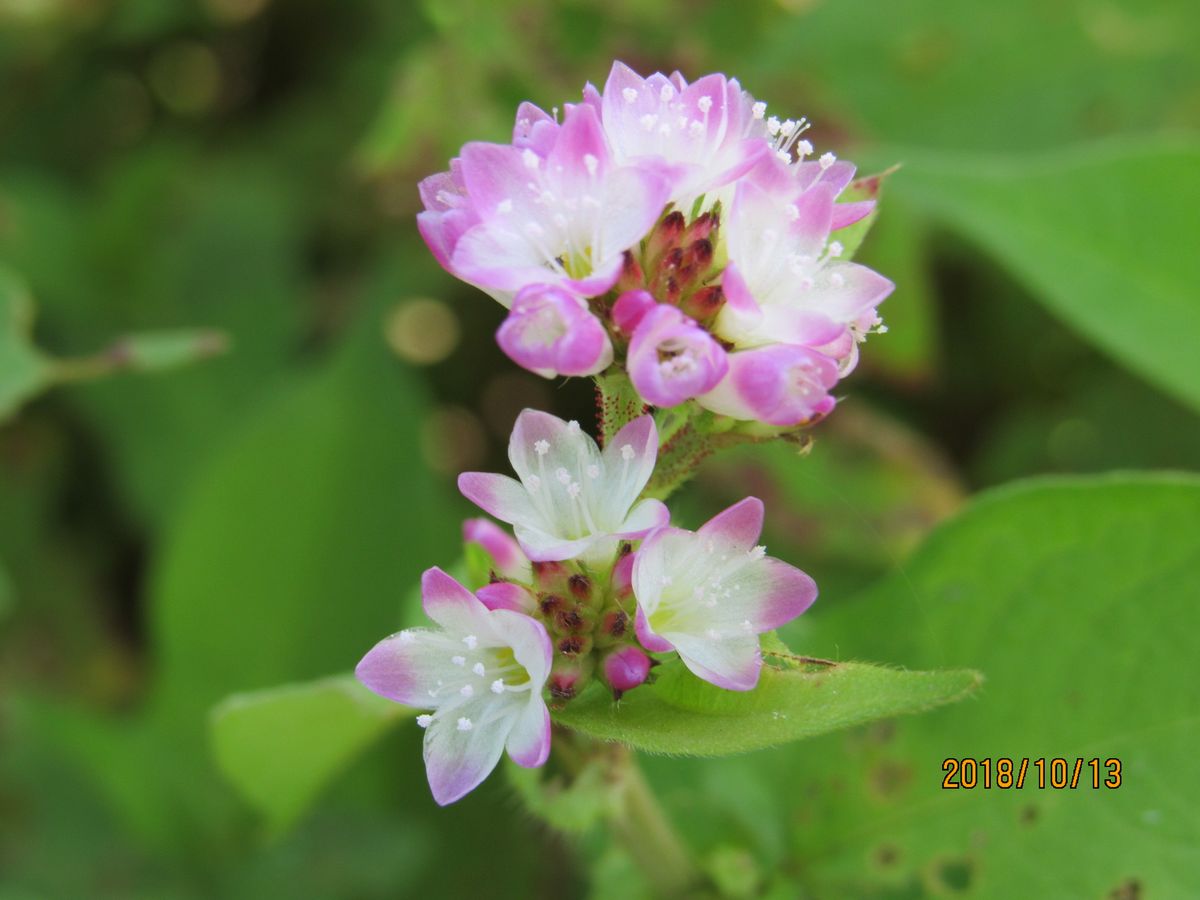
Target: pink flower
[
  {"x": 481, "y": 673},
  {"x": 572, "y": 501},
  {"x": 702, "y": 135},
  {"x": 780, "y": 385},
  {"x": 558, "y": 210},
  {"x": 709, "y": 594},
  {"x": 784, "y": 281},
  {"x": 672, "y": 359},
  {"x": 551, "y": 332}
]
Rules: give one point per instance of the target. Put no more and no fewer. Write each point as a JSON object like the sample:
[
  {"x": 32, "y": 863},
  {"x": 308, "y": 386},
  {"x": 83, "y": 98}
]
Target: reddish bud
[
  {"x": 703, "y": 226},
  {"x": 580, "y": 586},
  {"x": 632, "y": 277},
  {"x": 625, "y": 669},
  {"x": 704, "y": 303}
]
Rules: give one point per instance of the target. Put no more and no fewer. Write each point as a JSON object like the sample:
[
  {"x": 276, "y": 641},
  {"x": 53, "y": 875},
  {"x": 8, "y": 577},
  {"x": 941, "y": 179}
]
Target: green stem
[{"x": 648, "y": 837}]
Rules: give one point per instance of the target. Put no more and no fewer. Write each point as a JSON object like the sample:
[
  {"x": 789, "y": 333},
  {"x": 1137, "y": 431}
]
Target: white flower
[
  {"x": 482, "y": 674},
  {"x": 572, "y": 500},
  {"x": 709, "y": 594}
]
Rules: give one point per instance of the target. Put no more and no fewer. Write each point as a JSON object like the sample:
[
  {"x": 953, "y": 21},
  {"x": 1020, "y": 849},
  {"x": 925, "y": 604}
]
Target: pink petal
[
  {"x": 503, "y": 497},
  {"x": 498, "y": 544},
  {"x": 732, "y": 663},
  {"x": 737, "y": 528},
  {"x": 457, "y": 762},
  {"x": 506, "y": 595},
  {"x": 646, "y": 636},
  {"x": 450, "y": 604},
  {"x": 644, "y": 518},
  {"x": 529, "y": 740}
]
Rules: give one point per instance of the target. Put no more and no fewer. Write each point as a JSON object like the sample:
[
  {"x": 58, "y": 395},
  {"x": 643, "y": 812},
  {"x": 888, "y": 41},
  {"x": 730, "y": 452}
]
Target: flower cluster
[
  {"x": 671, "y": 230},
  {"x": 595, "y": 585}
]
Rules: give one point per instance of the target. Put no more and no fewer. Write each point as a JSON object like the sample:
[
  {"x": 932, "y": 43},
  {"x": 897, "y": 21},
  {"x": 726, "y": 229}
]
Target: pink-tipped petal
[
  {"x": 529, "y": 740},
  {"x": 458, "y": 760},
  {"x": 646, "y": 516},
  {"x": 733, "y": 663},
  {"x": 630, "y": 307},
  {"x": 738, "y": 527},
  {"x": 646, "y": 636},
  {"x": 450, "y": 604},
  {"x": 499, "y": 495}
]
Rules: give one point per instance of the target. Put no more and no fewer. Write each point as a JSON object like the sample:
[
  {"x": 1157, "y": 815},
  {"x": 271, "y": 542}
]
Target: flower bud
[
  {"x": 778, "y": 385},
  {"x": 551, "y": 332},
  {"x": 507, "y": 557},
  {"x": 569, "y": 675},
  {"x": 704, "y": 303},
  {"x": 632, "y": 277},
  {"x": 630, "y": 308},
  {"x": 506, "y": 595},
  {"x": 625, "y": 669},
  {"x": 672, "y": 359}
]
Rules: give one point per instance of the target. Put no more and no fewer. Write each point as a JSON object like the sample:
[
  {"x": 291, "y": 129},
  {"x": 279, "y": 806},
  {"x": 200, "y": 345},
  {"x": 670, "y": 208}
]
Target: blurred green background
[{"x": 260, "y": 516}]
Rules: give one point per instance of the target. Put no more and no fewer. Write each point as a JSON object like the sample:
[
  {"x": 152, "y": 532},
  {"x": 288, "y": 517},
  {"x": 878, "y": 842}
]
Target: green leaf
[
  {"x": 868, "y": 188},
  {"x": 1103, "y": 235},
  {"x": 1078, "y": 598},
  {"x": 24, "y": 371},
  {"x": 280, "y": 747},
  {"x": 682, "y": 715}
]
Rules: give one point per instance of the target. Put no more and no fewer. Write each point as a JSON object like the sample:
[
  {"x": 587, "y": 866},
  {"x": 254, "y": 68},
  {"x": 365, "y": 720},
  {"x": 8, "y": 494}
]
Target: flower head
[
  {"x": 709, "y": 594},
  {"x": 550, "y": 331},
  {"x": 672, "y": 359},
  {"x": 572, "y": 500},
  {"x": 481, "y": 673},
  {"x": 559, "y": 210}
]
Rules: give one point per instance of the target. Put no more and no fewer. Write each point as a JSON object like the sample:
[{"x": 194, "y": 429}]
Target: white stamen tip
[
  {"x": 533, "y": 482},
  {"x": 424, "y": 720},
  {"x": 498, "y": 686},
  {"x": 705, "y": 104},
  {"x": 758, "y": 552},
  {"x": 793, "y": 212},
  {"x": 759, "y": 109},
  {"x": 773, "y": 126},
  {"x": 836, "y": 248},
  {"x": 573, "y": 489},
  {"x": 530, "y": 159},
  {"x": 459, "y": 660},
  {"x": 471, "y": 641},
  {"x": 478, "y": 669},
  {"x": 573, "y": 426},
  {"x": 406, "y": 637},
  {"x": 593, "y": 471},
  {"x": 648, "y": 121},
  {"x": 563, "y": 476},
  {"x": 666, "y": 93},
  {"x": 541, "y": 448},
  {"x": 827, "y": 160},
  {"x": 466, "y": 690},
  {"x": 630, "y": 95},
  {"x": 464, "y": 724},
  {"x": 804, "y": 148},
  {"x": 627, "y": 452}
]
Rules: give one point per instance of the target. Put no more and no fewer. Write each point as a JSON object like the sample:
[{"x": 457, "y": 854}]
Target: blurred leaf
[
  {"x": 281, "y": 746},
  {"x": 961, "y": 76},
  {"x": 859, "y": 191},
  {"x": 1076, "y": 597},
  {"x": 571, "y": 804},
  {"x": 898, "y": 247},
  {"x": 7, "y": 595},
  {"x": 299, "y": 541},
  {"x": 1103, "y": 235},
  {"x": 24, "y": 371},
  {"x": 682, "y": 715}
]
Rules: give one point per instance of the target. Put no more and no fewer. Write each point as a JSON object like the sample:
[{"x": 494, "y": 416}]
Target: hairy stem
[{"x": 649, "y": 838}]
